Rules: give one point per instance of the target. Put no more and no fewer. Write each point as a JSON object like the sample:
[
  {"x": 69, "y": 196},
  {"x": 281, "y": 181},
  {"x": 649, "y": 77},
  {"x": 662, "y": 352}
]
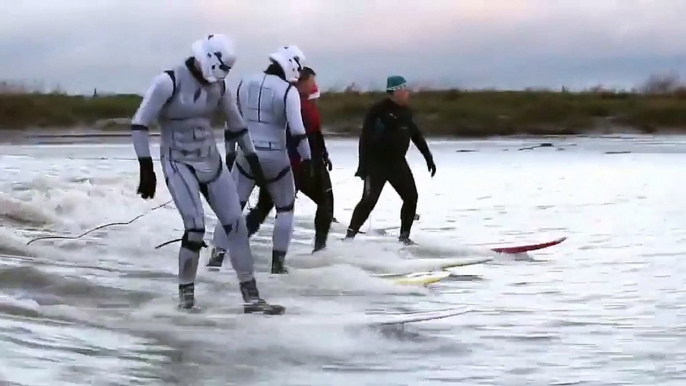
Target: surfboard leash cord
[{"x": 100, "y": 226}]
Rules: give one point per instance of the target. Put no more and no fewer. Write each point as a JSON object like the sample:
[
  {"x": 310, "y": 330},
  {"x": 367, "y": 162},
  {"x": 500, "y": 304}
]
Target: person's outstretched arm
[{"x": 419, "y": 141}]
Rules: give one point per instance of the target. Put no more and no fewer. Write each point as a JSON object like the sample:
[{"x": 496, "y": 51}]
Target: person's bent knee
[
  {"x": 232, "y": 226},
  {"x": 285, "y": 209},
  {"x": 367, "y": 201},
  {"x": 284, "y": 215},
  {"x": 326, "y": 209},
  {"x": 411, "y": 198},
  {"x": 193, "y": 239}
]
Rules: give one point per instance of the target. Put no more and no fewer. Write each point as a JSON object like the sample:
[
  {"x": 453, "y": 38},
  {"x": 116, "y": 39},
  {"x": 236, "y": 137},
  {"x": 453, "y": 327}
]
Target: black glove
[
  {"x": 147, "y": 183},
  {"x": 256, "y": 168},
  {"x": 431, "y": 166},
  {"x": 230, "y": 159},
  {"x": 327, "y": 162}
]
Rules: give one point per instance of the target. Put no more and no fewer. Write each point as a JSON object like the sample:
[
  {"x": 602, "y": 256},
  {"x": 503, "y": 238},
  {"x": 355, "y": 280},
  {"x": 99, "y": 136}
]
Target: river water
[{"x": 606, "y": 307}]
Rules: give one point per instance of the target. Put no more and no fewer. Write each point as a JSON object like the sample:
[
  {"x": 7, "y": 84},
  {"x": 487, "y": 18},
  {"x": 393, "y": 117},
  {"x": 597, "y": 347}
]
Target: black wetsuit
[
  {"x": 386, "y": 134},
  {"x": 318, "y": 188}
]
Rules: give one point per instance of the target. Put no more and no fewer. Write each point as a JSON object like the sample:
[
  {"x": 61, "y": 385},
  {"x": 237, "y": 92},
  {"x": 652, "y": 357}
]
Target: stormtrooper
[
  {"x": 270, "y": 104},
  {"x": 183, "y": 101}
]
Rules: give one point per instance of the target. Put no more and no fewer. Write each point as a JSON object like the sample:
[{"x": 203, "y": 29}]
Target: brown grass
[{"x": 659, "y": 105}]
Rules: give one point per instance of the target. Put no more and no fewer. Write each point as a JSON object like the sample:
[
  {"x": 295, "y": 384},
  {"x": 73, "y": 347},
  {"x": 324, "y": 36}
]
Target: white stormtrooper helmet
[
  {"x": 290, "y": 59},
  {"x": 216, "y": 54}
]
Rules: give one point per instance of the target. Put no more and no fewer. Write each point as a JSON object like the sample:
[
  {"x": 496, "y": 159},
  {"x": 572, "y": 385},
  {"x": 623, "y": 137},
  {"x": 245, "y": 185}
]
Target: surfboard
[
  {"x": 367, "y": 320},
  {"x": 518, "y": 248},
  {"x": 414, "y": 317},
  {"x": 421, "y": 278},
  {"x": 528, "y": 247},
  {"x": 449, "y": 263}
]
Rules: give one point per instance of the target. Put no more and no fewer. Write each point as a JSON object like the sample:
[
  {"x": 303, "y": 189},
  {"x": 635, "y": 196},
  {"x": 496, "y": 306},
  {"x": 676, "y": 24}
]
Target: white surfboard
[
  {"x": 422, "y": 316},
  {"x": 223, "y": 314},
  {"x": 436, "y": 265},
  {"x": 421, "y": 278}
]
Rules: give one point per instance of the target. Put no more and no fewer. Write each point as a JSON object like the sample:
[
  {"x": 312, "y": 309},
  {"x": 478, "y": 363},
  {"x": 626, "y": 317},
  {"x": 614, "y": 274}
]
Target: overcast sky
[{"x": 119, "y": 45}]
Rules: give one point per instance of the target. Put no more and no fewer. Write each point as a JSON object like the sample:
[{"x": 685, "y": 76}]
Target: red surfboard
[{"x": 529, "y": 247}]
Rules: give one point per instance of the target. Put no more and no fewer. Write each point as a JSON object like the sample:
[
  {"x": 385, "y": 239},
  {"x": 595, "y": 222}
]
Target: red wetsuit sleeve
[
  {"x": 312, "y": 122},
  {"x": 311, "y": 117}
]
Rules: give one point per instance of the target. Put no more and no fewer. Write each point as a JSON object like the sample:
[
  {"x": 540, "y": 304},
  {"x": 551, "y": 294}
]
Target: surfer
[
  {"x": 313, "y": 98},
  {"x": 384, "y": 141},
  {"x": 183, "y": 100},
  {"x": 270, "y": 104},
  {"x": 317, "y": 186}
]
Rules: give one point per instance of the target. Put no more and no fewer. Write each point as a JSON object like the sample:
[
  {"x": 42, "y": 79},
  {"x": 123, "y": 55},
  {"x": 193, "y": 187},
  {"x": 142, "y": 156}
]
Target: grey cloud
[{"x": 120, "y": 45}]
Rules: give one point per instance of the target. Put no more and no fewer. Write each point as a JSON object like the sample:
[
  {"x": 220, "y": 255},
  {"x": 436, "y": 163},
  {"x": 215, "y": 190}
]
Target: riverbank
[{"x": 445, "y": 113}]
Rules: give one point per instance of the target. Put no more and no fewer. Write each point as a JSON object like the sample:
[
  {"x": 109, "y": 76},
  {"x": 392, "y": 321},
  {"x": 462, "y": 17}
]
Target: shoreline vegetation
[{"x": 657, "y": 106}]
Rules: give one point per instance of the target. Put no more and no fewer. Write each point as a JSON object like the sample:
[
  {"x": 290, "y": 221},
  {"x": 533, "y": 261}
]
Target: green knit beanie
[{"x": 395, "y": 82}]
